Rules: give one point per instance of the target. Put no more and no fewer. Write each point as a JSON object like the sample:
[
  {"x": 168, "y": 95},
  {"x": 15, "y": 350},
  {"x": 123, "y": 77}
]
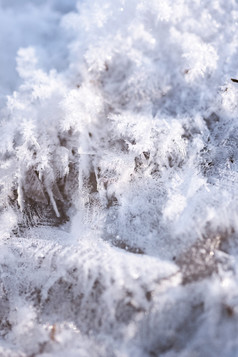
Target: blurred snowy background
[{"x": 118, "y": 178}]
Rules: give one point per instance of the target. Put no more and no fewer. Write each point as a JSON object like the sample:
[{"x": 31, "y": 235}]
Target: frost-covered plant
[{"x": 125, "y": 125}]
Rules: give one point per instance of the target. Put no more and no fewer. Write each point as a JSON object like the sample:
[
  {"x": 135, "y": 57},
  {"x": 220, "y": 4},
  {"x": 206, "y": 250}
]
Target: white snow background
[{"x": 118, "y": 178}]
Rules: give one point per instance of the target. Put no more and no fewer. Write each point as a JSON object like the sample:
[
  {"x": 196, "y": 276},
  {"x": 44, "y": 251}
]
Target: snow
[{"x": 118, "y": 178}]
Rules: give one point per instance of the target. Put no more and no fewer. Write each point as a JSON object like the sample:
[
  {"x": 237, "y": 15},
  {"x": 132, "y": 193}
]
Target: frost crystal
[{"x": 118, "y": 178}]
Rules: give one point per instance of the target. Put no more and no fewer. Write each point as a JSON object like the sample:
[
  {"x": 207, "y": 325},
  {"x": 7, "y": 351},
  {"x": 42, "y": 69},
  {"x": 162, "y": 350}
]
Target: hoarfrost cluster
[{"x": 118, "y": 178}]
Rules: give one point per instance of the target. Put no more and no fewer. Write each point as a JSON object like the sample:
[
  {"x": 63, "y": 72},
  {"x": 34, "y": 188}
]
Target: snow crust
[{"x": 118, "y": 178}]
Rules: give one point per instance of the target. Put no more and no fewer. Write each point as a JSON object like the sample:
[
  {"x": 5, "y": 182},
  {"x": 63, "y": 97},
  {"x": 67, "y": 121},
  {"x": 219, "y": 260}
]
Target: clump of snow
[{"x": 118, "y": 178}]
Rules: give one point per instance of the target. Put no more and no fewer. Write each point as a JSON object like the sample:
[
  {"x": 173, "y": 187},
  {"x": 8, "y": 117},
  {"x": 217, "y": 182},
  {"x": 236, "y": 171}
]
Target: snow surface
[{"x": 118, "y": 178}]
